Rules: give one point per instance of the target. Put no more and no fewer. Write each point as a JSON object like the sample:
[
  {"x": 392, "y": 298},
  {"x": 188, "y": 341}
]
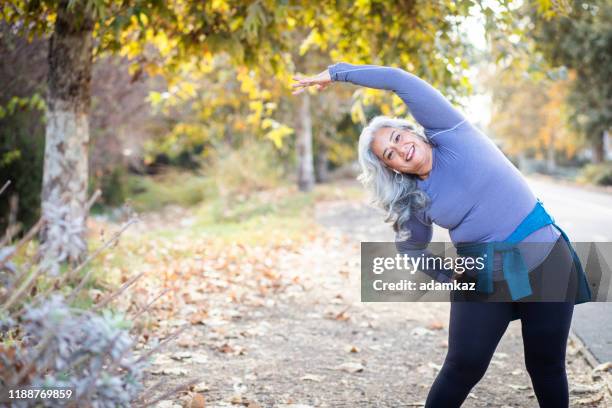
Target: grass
[
  {"x": 271, "y": 216},
  {"x": 153, "y": 193}
]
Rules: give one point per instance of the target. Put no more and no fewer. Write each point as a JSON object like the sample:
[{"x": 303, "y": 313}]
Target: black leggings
[{"x": 475, "y": 330}]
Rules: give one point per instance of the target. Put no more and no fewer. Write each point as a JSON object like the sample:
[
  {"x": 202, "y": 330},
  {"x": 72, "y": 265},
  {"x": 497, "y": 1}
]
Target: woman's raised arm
[{"x": 428, "y": 106}]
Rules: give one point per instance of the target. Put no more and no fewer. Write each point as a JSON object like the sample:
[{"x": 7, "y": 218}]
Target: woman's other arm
[
  {"x": 417, "y": 246},
  {"x": 428, "y": 106}
]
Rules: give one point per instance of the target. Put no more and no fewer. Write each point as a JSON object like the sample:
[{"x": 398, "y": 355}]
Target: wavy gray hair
[{"x": 394, "y": 192}]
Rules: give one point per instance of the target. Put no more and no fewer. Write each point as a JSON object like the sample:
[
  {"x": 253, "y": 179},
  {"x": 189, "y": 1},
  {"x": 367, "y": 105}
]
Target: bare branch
[
  {"x": 5, "y": 186},
  {"x": 116, "y": 293},
  {"x": 11, "y": 231},
  {"x": 44, "y": 343},
  {"x": 22, "y": 289},
  {"x": 26, "y": 238},
  {"x": 144, "y": 309},
  {"x": 163, "y": 343},
  {"x": 173, "y": 391},
  {"x": 97, "y": 252},
  {"x": 148, "y": 392},
  {"x": 94, "y": 197}
]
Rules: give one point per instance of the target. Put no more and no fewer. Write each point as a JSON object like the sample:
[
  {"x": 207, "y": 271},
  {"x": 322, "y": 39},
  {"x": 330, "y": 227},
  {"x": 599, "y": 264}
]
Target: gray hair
[{"x": 394, "y": 192}]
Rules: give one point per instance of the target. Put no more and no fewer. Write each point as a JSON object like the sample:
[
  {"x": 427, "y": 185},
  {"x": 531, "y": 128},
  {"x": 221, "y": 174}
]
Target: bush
[
  {"x": 77, "y": 349},
  {"x": 600, "y": 174},
  {"x": 152, "y": 193},
  {"x": 22, "y": 144},
  {"x": 254, "y": 166},
  {"x": 113, "y": 185},
  {"x": 47, "y": 342}
]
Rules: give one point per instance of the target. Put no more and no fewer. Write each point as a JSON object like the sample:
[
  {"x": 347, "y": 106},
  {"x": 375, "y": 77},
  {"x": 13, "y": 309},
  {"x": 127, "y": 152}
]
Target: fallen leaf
[
  {"x": 420, "y": 331},
  {"x": 603, "y": 367},
  {"x": 199, "y": 359},
  {"x": 199, "y": 387},
  {"x": 170, "y": 371},
  {"x": 162, "y": 359},
  {"x": 437, "y": 325},
  {"x": 518, "y": 387},
  {"x": 225, "y": 348},
  {"x": 238, "y": 400},
  {"x": 590, "y": 400},
  {"x": 167, "y": 404},
  {"x": 181, "y": 355},
  {"x": 583, "y": 388},
  {"x": 350, "y": 367},
  {"x": 351, "y": 349},
  {"x": 312, "y": 377},
  {"x": 343, "y": 315},
  {"x": 186, "y": 342},
  {"x": 197, "y": 401}
]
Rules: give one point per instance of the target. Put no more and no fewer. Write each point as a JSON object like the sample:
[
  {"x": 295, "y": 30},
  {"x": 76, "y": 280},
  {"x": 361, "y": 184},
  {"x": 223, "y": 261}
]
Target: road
[{"x": 585, "y": 216}]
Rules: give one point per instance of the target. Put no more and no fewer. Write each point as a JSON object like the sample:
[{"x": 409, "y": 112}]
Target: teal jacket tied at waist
[{"x": 514, "y": 268}]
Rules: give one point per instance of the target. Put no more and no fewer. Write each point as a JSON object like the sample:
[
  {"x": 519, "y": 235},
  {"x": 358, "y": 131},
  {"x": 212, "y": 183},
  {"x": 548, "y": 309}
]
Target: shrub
[
  {"x": 151, "y": 193},
  {"x": 254, "y": 166},
  {"x": 600, "y": 174},
  {"x": 77, "y": 349},
  {"x": 46, "y": 343},
  {"x": 113, "y": 185}
]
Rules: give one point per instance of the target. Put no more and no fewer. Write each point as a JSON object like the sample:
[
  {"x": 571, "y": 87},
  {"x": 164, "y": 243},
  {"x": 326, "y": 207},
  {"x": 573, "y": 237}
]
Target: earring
[{"x": 396, "y": 172}]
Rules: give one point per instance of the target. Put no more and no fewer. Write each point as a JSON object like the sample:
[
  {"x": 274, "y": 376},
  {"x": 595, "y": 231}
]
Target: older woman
[{"x": 453, "y": 176}]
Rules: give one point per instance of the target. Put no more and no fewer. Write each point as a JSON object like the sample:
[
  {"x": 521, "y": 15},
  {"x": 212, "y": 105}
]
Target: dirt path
[{"x": 315, "y": 344}]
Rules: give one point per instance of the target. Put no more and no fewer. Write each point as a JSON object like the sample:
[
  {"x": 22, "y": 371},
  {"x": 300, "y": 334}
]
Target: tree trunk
[
  {"x": 322, "y": 164},
  {"x": 306, "y": 178},
  {"x": 551, "y": 164},
  {"x": 598, "y": 148},
  {"x": 64, "y": 192}
]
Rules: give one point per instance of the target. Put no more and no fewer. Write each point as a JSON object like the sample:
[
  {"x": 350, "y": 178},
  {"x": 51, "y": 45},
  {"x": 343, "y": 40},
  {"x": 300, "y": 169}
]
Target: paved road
[{"x": 585, "y": 216}]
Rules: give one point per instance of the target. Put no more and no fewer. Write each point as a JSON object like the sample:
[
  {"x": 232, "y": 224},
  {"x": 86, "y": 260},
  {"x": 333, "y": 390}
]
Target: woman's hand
[{"x": 321, "y": 81}]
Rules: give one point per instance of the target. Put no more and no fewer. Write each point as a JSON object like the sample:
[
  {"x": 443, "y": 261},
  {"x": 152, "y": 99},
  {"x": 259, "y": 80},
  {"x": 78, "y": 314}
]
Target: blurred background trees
[
  {"x": 191, "y": 99},
  {"x": 581, "y": 41}
]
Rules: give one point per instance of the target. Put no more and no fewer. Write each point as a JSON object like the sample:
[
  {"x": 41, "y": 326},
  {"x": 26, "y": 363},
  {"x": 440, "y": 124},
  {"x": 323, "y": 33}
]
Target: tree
[
  {"x": 530, "y": 114},
  {"x": 581, "y": 40},
  {"x": 65, "y": 172},
  {"x": 249, "y": 31}
]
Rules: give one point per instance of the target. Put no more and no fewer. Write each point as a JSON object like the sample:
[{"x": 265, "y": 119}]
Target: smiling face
[{"x": 402, "y": 150}]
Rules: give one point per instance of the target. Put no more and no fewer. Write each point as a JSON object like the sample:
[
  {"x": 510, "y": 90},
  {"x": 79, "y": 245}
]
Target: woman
[{"x": 454, "y": 176}]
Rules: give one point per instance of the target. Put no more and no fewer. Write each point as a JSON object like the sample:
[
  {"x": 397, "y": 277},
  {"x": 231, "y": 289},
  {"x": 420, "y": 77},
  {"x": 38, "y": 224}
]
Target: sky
[{"x": 478, "y": 105}]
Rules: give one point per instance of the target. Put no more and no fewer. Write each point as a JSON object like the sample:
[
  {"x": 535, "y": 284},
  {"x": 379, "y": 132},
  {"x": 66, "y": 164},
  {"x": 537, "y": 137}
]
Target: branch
[
  {"x": 174, "y": 390},
  {"x": 5, "y": 186},
  {"x": 162, "y": 343},
  {"x": 116, "y": 293},
  {"x": 144, "y": 309},
  {"x": 26, "y": 238},
  {"x": 97, "y": 252}
]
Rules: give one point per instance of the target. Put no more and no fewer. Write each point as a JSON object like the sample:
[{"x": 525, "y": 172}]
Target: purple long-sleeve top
[{"x": 475, "y": 191}]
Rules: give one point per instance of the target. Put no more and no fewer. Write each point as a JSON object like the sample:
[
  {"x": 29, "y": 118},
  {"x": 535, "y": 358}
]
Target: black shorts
[{"x": 554, "y": 280}]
